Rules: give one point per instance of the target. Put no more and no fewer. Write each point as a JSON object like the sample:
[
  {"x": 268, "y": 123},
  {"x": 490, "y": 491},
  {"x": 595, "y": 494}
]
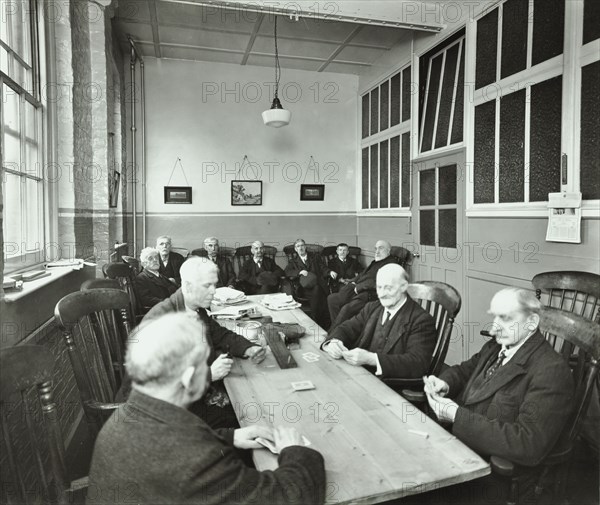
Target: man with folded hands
[
  {"x": 393, "y": 337},
  {"x": 259, "y": 275},
  {"x": 199, "y": 278},
  {"x": 152, "y": 450}
]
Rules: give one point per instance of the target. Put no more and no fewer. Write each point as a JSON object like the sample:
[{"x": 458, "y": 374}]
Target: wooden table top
[{"x": 372, "y": 439}]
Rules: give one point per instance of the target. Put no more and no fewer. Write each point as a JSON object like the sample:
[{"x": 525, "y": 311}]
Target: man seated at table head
[
  {"x": 344, "y": 268},
  {"x": 260, "y": 274},
  {"x": 170, "y": 261},
  {"x": 152, "y": 287},
  {"x": 394, "y": 336},
  {"x": 226, "y": 272},
  {"x": 309, "y": 270},
  {"x": 198, "y": 286},
  {"x": 513, "y": 397},
  {"x": 352, "y": 297},
  {"x": 152, "y": 450}
]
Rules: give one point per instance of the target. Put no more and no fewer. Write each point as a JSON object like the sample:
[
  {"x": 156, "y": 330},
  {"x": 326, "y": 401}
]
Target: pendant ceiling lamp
[{"x": 276, "y": 116}]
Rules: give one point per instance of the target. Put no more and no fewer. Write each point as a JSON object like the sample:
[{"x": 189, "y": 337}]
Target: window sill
[
  {"x": 589, "y": 209},
  {"x": 384, "y": 213}
]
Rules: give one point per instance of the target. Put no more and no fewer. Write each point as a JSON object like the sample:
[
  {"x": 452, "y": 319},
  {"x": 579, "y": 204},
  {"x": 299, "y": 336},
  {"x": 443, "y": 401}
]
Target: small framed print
[
  {"x": 178, "y": 194},
  {"x": 246, "y": 192},
  {"x": 312, "y": 192}
]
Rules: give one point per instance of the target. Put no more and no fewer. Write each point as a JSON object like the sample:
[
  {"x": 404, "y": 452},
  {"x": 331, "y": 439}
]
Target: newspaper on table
[
  {"x": 280, "y": 301},
  {"x": 228, "y": 296}
]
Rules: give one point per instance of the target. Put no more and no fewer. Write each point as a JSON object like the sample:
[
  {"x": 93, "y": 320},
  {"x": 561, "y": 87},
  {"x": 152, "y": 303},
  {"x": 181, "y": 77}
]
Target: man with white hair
[
  {"x": 350, "y": 299},
  {"x": 226, "y": 274},
  {"x": 393, "y": 337},
  {"x": 199, "y": 278},
  {"x": 152, "y": 450},
  {"x": 170, "y": 262},
  {"x": 152, "y": 287},
  {"x": 260, "y": 274}
]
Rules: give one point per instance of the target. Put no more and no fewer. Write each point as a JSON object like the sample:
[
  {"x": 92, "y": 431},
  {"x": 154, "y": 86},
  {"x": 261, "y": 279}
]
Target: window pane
[
  {"x": 365, "y": 178},
  {"x": 484, "y": 152},
  {"x": 12, "y": 152},
  {"x": 512, "y": 152},
  {"x": 591, "y": 20},
  {"x": 33, "y": 216},
  {"x": 406, "y": 170},
  {"x": 448, "y": 84},
  {"x": 11, "y": 191},
  {"x": 447, "y": 188},
  {"x": 447, "y": 228},
  {"x": 383, "y": 173},
  {"x": 548, "y": 29},
  {"x": 32, "y": 165},
  {"x": 10, "y": 106},
  {"x": 374, "y": 175},
  {"x": 395, "y": 100},
  {"x": 365, "y": 116},
  {"x": 515, "y": 20},
  {"x": 457, "y": 122},
  {"x": 487, "y": 49},
  {"x": 433, "y": 84},
  {"x": 427, "y": 187},
  {"x": 374, "y": 111},
  {"x": 544, "y": 150},
  {"x": 395, "y": 172},
  {"x": 384, "y": 104},
  {"x": 427, "y": 227},
  {"x": 406, "y": 93},
  {"x": 590, "y": 131}
]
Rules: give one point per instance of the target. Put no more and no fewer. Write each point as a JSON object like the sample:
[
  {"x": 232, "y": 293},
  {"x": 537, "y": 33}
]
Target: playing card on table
[
  {"x": 302, "y": 385},
  {"x": 310, "y": 357},
  {"x": 271, "y": 445}
]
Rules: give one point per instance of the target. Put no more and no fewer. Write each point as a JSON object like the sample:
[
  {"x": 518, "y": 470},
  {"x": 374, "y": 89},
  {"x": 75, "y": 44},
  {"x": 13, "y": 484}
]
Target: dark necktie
[
  {"x": 386, "y": 318},
  {"x": 495, "y": 365}
]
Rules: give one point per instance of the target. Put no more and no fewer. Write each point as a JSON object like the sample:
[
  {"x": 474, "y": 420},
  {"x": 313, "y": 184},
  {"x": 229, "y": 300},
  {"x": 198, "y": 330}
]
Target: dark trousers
[
  {"x": 345, "y": 304},
  {"x": 317, "y": 300}
]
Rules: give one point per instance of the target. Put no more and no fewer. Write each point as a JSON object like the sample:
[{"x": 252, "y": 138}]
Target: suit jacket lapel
[
  {"x": 370, "y": 326},
  {"x": 398, "y": 328}
]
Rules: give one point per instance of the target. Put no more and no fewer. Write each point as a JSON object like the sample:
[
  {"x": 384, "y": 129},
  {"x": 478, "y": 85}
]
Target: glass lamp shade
[{"x": 276, "y": 116}]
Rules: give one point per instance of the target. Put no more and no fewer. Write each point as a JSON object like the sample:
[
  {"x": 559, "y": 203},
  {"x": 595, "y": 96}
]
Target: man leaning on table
[
  {"x": 394, "y": 337},
  {"x": 152, "y": 450},
  {"x": 199, "y": 278},
  {"x": 511, "y": 399}
]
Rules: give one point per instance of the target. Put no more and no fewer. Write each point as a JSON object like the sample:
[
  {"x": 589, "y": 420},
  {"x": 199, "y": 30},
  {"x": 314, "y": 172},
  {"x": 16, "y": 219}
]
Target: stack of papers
[
  {"x": 280, "y": 301},
  {"x": 228, "y": 296},
  {"x": 232, "y": 312}
]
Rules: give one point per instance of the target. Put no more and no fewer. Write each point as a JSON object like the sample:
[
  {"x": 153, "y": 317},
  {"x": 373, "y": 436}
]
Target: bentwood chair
[
  {"x": 34, "y": 470},
  {"x": 227, "y": 252},
  {"x": 125, "y": 276},
  {"x": 292, "y": 286},
  {"x": 568, "y": 333},
  {"x": 95, "y": 324},
  {"x": 404, "y": 256},
  {"x": 443, "y": 302}
]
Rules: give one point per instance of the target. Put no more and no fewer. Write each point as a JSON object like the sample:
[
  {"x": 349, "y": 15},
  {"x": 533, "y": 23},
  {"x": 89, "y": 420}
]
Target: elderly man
[
  {"x": 154, "y": 451},
  {"x": 344, "y": 269},
  {"x": 152, "y": 287},
  {"x": 198, "y": 284},
  {"x": 512, "y": 398},
  {"x": 226, "y": 272},
  {"x": 309, "y": 270},
  {"x": 354, "y": 296},
  {"x": 170, "y": 262},
  {"x": 260, "y": 274},
  {"x": 393, "y": 337}
]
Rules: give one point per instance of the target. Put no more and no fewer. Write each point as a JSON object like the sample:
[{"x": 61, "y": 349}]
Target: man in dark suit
[
  {"x": 393, "y": 337},
  {"x": 259, "y": 275},
  {"x": 170, "y": 262},
  {"x": 344, "y": 267},
  {"x": 356, "y": 294},
  {"x": 152, "y": 287},
  {"x": 154, "y": 451},
  {"x": 309, "y": 270},
  {"x": 513, "y": 398},
  {"x": 226, "y": 272}
]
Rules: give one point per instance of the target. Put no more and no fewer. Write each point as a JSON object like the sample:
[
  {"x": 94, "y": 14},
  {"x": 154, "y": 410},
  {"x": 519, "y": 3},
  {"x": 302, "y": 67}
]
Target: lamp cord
[{"x": 277, "y": 67}]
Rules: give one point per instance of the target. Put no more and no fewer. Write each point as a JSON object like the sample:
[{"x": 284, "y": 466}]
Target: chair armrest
[
  {"x": 502, "y": 466},
  {"x": 413, "y": 396},
  {"x": 398, "y": 384}
]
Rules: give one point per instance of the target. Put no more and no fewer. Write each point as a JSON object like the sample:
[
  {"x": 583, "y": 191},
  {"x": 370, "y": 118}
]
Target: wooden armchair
[
  {"x": 404, "y": 256},
  {"x": 566, "y": 332},
  {"x": 244, "y": 253},
  {"x": 443, "y": 302},
  {"x": 95, "y": 324},
  {"x": 31, "y": 430},
  {"x": 124, "y": 274}
]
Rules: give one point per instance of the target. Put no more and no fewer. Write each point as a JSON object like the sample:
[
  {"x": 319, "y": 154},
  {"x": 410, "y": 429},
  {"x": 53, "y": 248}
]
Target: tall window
[
  {"x": 385, "y": 143},
  {"x": 21, "y": 132}
]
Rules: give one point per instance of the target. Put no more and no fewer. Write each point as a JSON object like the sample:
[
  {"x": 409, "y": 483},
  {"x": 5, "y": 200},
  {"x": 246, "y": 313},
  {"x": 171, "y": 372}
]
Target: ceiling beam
[
  {"x": 252, "y": 38},
  {"x": 341, "y": 47},
  {"x": 154, "y": 23}
]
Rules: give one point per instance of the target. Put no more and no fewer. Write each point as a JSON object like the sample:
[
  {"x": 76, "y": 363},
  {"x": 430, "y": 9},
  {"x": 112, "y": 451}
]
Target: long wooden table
[{"x": 377, "y": 446}]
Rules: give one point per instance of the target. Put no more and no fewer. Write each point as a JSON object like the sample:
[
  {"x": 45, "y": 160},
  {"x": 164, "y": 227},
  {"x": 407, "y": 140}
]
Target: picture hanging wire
[
  {"x": 177, "y": 161},
  {"x": 239, "y": 172}
]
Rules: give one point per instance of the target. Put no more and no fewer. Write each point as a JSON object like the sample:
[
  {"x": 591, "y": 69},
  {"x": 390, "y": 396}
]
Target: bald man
[
  {"x": 392, "y": 337},
  {"x": 154, "y": 451},
  {"x": 259, "y": 275},
  {"x": 350, "y": 299}
]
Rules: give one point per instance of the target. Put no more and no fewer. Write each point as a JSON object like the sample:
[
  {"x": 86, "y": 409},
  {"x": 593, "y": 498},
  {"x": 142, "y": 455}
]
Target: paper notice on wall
[{"x": 564, "y": 217}]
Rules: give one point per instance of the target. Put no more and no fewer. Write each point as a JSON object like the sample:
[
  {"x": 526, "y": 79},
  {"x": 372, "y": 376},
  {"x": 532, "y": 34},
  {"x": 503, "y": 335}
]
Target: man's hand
[
  {"x": 286, "y": 437},
  {"x": 433, "y": 385},
  {"x": 335, "y": 348},
  {"x": 359, "y": 357},
  {"x": 221, "y": 367},
  {"x": 172, "y": 280},
  {"x": 333, "y": 274},
  {"x": 255, "y": 353},
  {"x": 243, "y": 438},
  {"x": 444, "y": 408},
  {"x": 303, "y": 272}
]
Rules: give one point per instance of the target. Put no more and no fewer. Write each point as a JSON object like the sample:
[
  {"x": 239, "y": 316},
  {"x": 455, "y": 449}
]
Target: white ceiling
[{"x": 243, "y": 34}]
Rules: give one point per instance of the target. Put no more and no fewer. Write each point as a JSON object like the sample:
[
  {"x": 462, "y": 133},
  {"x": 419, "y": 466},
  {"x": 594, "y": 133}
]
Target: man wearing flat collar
[
  {"x": 226, "y": 275},
  {"x": 260, "y": 274},
  {"x": 344, "y": 269},
  {"x": 393, "y": 337},
  {"x": 511, "y": 399},
  {"x": 170, "y": 262}
]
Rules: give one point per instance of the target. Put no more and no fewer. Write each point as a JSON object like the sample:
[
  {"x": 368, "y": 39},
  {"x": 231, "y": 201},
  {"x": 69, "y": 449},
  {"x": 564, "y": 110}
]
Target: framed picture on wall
[
  {"x": 246, "y": 192},
  {"x": 312, "y": 192},
  {"x": 178, "y": 194}
]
